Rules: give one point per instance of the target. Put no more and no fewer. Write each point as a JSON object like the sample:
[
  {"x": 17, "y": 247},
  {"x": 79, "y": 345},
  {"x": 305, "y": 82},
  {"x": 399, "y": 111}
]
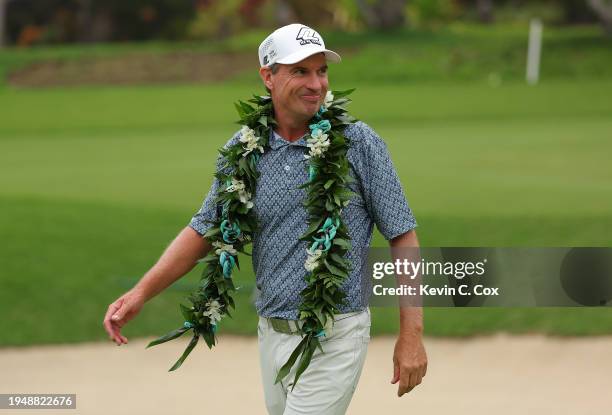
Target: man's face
[{"x": 299, "y": 88}]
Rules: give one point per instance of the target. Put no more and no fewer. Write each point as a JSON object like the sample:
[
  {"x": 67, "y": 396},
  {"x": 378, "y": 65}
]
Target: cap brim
[{"x": 298, "y": 56}]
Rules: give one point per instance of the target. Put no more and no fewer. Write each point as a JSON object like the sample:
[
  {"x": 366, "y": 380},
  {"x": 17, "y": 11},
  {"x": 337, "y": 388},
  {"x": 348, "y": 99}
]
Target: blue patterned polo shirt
[{"x": 278, "y": 255}]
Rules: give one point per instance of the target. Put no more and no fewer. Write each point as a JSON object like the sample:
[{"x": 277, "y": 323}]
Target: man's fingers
[
  {"x": 107, "y": 327},
  {"x": 110, "y": 325},
  {"x": 117, "y": 333},
  {"x": 404, "y": 381},
  {"x": 107, "y": 322},
  {"x": 117, "y": 322},
  {"x": 403, "y": 388},
  {"x": 112, "y": 309},
  {"x": 415, "y": 378},
  {"x": 424, "y": 371},
  {"x": 119, "y": 314},
  {"x": 401, "y": 391},
  {"x": 109, "y": 312},
  {"x": 409, "y": 379},
  {"x": 396, "y": 373}
]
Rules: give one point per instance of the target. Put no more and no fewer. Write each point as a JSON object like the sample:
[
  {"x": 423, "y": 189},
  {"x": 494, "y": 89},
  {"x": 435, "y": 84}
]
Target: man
[{"x": 293, "y": 67}]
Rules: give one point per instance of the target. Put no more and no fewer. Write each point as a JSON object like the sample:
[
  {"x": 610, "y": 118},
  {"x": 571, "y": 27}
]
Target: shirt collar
[{"x": 276, "y": 141}]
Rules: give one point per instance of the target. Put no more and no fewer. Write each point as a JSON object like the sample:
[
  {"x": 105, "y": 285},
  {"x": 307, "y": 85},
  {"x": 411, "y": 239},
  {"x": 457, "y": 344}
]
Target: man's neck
[{"x": 288, "y": 127}]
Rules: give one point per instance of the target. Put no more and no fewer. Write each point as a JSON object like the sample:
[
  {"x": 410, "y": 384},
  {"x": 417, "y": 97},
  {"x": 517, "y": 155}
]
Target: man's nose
[{"x": 314, "y": 83}]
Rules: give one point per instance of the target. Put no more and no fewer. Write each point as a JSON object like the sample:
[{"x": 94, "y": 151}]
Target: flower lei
[{"x": 327, "y": 235}]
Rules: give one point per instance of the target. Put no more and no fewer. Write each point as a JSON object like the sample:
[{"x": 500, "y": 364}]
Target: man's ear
[{"x": 266, "y": 76}]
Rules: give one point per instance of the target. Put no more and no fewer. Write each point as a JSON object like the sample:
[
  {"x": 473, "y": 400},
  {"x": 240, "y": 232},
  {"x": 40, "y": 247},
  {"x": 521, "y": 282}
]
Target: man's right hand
[
  {"x": 177, "y": 260},
  {"x": 120, "y": 312}
]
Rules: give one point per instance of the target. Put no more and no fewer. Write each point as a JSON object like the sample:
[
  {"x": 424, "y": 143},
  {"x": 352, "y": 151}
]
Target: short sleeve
[
  {"x": 210, "y": 211},
  {"x": 383, "y": 193}
]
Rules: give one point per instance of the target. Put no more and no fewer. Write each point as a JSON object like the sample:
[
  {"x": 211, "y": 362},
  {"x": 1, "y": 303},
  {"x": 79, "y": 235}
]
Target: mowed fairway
[{"x": 94, "y": 183}]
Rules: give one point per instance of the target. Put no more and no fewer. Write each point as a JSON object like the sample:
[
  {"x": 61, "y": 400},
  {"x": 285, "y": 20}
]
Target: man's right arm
[{"x": 177, "y": 260}]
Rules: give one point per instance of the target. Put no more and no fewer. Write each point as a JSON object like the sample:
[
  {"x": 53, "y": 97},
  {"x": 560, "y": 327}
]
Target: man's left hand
[{"x": 409, "y": 363}]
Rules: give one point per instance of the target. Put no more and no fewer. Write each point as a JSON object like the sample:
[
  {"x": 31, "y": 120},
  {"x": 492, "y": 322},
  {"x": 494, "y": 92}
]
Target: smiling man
[{"x": 293, "y": 67}]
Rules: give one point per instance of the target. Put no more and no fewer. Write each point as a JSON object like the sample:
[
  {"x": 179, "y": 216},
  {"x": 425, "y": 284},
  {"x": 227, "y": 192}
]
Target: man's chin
[{"x": 311, "y": 109}]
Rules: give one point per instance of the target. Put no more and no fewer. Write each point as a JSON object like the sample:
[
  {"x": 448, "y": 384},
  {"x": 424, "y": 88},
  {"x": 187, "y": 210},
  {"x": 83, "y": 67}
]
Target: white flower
[
  {"x": 312, "y": 260},
  {"x": 317, "y": 143},
  {"x": 213, "y": 311},
  {"x": 310, "y": 266},
  {"x": 243, "y": 195},
  {"x": 236, "y": 186},
  {"x": 229, "y": 248},
  {"x": 329, "y": 98},
  {"x": 248, "y": 136}
]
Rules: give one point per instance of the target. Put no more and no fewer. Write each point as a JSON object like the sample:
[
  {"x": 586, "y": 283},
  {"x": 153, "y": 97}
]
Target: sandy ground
[{"x": 499, "y": 374}]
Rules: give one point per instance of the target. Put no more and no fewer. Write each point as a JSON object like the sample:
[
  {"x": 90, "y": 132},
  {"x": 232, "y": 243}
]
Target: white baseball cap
[{"x": 291, "y": 44}]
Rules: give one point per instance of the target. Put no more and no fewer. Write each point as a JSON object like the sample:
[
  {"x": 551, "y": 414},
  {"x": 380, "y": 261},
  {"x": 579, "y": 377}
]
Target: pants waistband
[{"x": 293, "y": 326}]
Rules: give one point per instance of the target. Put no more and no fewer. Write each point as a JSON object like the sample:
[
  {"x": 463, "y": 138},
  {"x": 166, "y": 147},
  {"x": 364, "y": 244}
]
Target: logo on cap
[
  {"x": 269, "y": 57},
  {"x": 306, "y": 35}
]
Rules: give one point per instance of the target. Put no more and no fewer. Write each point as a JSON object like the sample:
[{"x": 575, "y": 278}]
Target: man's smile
[{"x": 311, "y": 98}]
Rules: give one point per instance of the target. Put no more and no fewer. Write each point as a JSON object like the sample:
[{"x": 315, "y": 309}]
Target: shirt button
[{"x": 287, "y": 168}]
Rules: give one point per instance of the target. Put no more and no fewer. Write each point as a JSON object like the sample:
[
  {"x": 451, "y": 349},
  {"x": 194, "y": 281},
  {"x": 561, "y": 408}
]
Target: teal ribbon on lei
[
  {"x": 227, "y": 262},
  {"x": 328, "y": 230},
  {"x": 312, "y": 172},
  {"x": 323, "y": 125},
  {"x": 230, "y": 232},
  {"x": 319, "y": 113}
]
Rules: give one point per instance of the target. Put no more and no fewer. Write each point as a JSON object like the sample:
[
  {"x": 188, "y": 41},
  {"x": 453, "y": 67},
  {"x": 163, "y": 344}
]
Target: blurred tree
[
  {"x": 216, "y": 19},
  {"x": 3, "y": 4},
  {"x": 427, "y": 12},
  {"x": 383, "y": 14},
  {"x": 284, "y": 13},
  {"x": 96, "y": 20},
  {"x": 485, "y": 10},
  {"x": 317, "y": 13},
  {"x": 603, "y": 10},
  {"x": 248, "y": 11},
  {"x": 577, "y": 11},
  {"x": 340, "y": 14},
  {"x": 146, "y": 19},
  {"x": 481, "y": 9},
  {"x": 29, "y": 21},
  {"x": 223, "y": 18},
  {"x": 488, "y": 11}
]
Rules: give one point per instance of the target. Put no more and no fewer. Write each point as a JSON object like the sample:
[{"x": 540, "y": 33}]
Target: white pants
[{"x": 327, "y": 385}]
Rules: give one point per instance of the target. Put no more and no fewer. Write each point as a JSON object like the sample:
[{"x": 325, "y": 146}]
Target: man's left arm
[
  {"x": 409, "y": 357},
  {"x": 387, "y": 205}
]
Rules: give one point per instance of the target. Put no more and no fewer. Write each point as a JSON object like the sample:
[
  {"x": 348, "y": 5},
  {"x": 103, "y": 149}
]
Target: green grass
[
  {"x": 95, "y": 182},
  {"x": 451, "y": 53},
  {"x": 517, "y": 150}
]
